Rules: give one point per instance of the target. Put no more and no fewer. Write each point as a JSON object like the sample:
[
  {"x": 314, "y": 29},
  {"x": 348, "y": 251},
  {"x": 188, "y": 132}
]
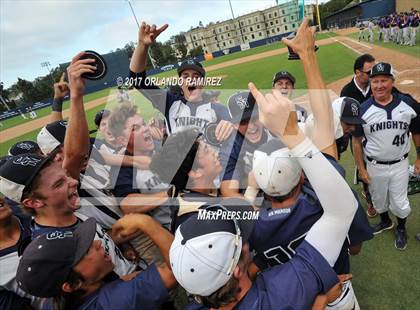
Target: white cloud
[{"x": 36, "y": 31}]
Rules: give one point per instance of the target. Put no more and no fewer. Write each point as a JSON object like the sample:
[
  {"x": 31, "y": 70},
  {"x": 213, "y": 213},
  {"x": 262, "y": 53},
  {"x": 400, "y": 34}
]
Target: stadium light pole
[
  {"x": 46, "y": 64},
  {"x": 317, "y": 15},
  {"x": 153, "y": 61},
  {"x": 239, "y": 22}
]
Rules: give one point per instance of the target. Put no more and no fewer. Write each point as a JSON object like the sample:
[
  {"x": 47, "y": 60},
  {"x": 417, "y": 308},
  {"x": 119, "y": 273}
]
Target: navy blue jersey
[
  {"x": 236, "y": 155},
  {"x": 287, "y": 228},
  {"x": 293, "y": 285},
  {"x": 179, "y": 113},
  {"x": 145, "y": 291}
]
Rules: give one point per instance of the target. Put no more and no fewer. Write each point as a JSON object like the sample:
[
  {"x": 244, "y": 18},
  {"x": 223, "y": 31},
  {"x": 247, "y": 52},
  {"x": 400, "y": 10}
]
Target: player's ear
[
  {"x": 32, "y": 203},
  {"x": 237, "y": 272},
  {"x": 69, "y": 288}
]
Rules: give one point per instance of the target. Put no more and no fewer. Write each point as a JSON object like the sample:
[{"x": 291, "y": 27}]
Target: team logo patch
[
  {"x": 27, "y": 161},
  {"x": 190, "y": 62},
  {"x": 242, "y": 102},
  {"x": 24, "y": 146},
  {"x": 59, "y": 235},
  {"x": 354, "y": 109},
  {"x": 380, "y": 67},
  {"x": 63, "y": 123}
]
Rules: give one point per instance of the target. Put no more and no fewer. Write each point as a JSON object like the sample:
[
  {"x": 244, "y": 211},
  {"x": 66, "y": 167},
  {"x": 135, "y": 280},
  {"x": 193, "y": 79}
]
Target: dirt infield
[{"x": 407, "y": 67}]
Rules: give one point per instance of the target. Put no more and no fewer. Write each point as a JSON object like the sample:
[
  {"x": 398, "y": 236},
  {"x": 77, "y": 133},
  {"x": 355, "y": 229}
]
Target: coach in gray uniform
[{"x": 389, "y": 117}]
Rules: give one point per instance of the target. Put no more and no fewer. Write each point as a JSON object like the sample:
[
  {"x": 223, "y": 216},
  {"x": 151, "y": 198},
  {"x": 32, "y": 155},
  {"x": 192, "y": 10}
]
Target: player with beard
[
  {"x": 184, "y": 109},
  {"x": 236, "y": 153},
  {"x": 14, "y": 232}
]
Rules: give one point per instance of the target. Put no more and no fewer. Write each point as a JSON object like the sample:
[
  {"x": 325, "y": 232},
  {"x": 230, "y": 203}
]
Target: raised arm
[
  {"x": 133, "y": 223},
  {"x": 147, "y": 36},
  {"x": 328, "y": 233},
  {"x": 304, "y": 45},
  {"x": 76, "y": 142},
  {"x": 61, "y": 89}
]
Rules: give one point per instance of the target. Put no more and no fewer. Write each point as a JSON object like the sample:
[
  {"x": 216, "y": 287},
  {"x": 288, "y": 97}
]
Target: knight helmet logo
[
  {"x": 354, "y": 109},
  {"x": 27, "y": 161},
  {"x": 380, "y": 67},
  {"x": 24, "y": 146},
  {"x": 242, "y": 102}
]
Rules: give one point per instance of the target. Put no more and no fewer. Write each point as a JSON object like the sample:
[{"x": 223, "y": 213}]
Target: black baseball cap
[
  {"x": 382, "y": 68},
  {"x": 350, "y": 111},
  {"x": 100, "y": 115},
  {"x": 284, "y": 75},
  {"x": 24, "y": 147},
  {"x": 100, "y": 64},
  {"x": 193, "y": 65},
  {"x": 51, "y": 136},
  {"x": 48, "y": 260},
  {"x": 18, "y": 172},
  {"x": 242, "y": 107}
]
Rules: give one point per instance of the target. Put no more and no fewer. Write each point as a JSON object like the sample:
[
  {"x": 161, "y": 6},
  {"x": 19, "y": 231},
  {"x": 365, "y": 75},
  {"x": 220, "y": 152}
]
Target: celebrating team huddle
[{"x": 117, "y": 222}]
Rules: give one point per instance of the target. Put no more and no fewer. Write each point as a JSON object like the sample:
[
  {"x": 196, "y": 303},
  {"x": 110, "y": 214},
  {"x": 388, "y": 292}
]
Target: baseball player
[
  {"x": 122, "y": 95},
  {"x": 414, "y": 27},
  {"x": 370, "y": 26},
  {"x": 361, "y": 26},
  {"x": 289, "y": 209},
  {"x": 14, "y": 231},
  {"x": 284, "y": 82},
  {"x": 76, "y": 272},
  {"x": 236, "y": 153},
  {"x": 184, "y": 110},
  {"x": 389, "y": 117}
]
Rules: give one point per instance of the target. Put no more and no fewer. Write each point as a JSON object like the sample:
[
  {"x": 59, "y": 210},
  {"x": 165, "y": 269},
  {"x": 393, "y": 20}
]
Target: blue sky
[{"x": 35, "y": 31}]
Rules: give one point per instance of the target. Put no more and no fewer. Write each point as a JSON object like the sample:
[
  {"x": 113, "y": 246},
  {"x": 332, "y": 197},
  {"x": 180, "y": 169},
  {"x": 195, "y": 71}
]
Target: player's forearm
[
  {"x": 140, "y": 162},
  {"x": 230, "y": 188},
  {"x": 160, "y": 236},
  {"x": 358, "y": 153},
  {"x": 143, "y": 203},
  {"x": 319, "y": 101},
  {"x": 332, "y": 190},
  {"x": 139, "y": 59},
  {"x": 76, "y": 142}
]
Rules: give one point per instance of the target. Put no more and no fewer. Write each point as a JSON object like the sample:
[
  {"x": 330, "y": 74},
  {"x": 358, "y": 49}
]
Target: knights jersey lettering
[
  {"x": 179, "y": 113},
  {"x": 387, "y": 128}
]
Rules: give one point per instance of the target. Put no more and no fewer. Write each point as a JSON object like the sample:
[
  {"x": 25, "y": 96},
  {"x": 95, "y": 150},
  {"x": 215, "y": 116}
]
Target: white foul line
[
  {"x": 367, "y": 46},
  {"x": 348, "y": 46}
]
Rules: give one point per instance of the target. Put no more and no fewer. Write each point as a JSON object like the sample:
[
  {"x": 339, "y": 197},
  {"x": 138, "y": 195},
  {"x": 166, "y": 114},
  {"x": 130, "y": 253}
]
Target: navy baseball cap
[
  {"x": 51, "y": 136},
  {"x": 18, "y": 172},
  {"x": 382, "y": 68},
  {"x": 100, "y": 115},
  {"x": 242, "y": 107},
  {"x": 24, "y": 147},
  {"x": 193, "y": 65},
  {"x": 210, "y": 249},
  {"x": 350, "y": 111},
  {"x": 284, "y": 75},
  {"x": 48, "y": 260}
]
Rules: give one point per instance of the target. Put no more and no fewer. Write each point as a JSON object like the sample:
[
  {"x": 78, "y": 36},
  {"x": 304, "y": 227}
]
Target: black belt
[{"x": 386, "y": 162}]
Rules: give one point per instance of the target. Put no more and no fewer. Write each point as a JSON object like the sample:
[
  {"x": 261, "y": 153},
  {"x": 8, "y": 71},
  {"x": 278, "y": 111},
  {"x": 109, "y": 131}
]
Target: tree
[
  {"x": 129, "y": 48},
  {"x": 196, "y": 51},
  {"x": 180, "y": 45}
]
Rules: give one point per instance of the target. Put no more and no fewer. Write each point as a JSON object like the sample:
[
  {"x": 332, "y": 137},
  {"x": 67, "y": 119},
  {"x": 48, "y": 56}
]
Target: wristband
[{"x": 57, "y": 105}]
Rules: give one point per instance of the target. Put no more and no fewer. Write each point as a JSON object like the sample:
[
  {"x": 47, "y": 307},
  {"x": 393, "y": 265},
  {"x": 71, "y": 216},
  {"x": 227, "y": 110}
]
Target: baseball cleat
[
  {"x": 400, "y": 239},
  {"x": 382, "y": 226}
]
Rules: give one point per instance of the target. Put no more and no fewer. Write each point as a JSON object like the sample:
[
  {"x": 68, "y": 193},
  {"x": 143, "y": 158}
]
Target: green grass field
[
  {"x": 410, "y": 50},
  {"x": 384, "y": 278}
]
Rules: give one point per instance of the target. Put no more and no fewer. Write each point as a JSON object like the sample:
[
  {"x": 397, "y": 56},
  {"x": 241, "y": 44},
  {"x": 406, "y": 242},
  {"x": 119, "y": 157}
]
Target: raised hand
[
  {"x": 61, "y": 88},
  {"x": 304, "y": 41},
  {"x": 277, "y": 113},
  {"x": 148, "y": 34},
  {"x": 74, "y": 72}
]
